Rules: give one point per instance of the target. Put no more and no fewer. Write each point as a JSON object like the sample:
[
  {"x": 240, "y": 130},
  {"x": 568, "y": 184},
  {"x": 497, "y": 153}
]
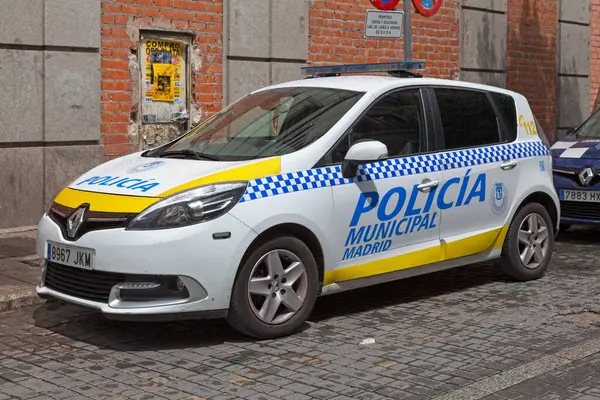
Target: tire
[
  {"x": 511, "y": 262},
  {"x": 249, "y": 315}
]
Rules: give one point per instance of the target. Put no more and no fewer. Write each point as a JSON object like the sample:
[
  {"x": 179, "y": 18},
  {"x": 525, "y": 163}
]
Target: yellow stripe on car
[
  {"x": 474, "y": 244},
  {"x": 104, "y": 202},
  {"x": 107, "y": 202},
  {"x": 446, "y": 251},
  {"x": 260, "y": 169}
]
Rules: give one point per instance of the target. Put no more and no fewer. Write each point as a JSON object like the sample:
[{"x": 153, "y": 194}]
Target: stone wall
[
  {"x": 71, "y": 81},
  {"x": 50, "y": 104},
  {"x": 574, "y": 49},
  {"x": 266, "y": 42}
]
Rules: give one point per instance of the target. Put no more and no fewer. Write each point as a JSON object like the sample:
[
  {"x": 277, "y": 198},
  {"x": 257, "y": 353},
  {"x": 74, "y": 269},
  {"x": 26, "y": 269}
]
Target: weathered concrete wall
[
  {"x": 62, "y": 109},
  {"x": 483, "y": 32},
  {"x": 267, "y": 43},
  {"x": 573, "y": 64},
  {"x": 50, "y": 103}
]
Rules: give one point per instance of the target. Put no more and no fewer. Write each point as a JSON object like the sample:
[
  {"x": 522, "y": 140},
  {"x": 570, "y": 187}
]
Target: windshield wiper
[{"x": 188, "y": 154}]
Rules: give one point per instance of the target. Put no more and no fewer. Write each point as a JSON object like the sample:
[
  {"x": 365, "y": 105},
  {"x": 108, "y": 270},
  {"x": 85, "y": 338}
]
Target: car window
[
  {"x": 590, "y": 129},
  {"x": 396, "y": 120},
  {"x": 540, "y": 132},
  {"x": 508, "y": 110},
  {"x": 468, "y": 119},
  {"x": 269, "y": 123}
]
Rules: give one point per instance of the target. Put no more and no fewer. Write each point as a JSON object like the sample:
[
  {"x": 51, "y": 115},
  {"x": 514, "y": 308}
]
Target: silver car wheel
[
  {"x": 277, "y": 287},
  {"x": 533, "y": 241}
]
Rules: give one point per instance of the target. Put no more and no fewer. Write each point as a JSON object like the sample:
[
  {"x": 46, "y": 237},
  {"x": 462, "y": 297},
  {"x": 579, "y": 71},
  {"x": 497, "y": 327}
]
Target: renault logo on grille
[
  {"x": 74, "y": 222},
  {"x": 586, "y": 176}
]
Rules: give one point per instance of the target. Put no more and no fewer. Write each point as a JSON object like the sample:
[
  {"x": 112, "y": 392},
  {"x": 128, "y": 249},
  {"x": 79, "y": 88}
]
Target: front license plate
[
  {"x": 72, "y": 256},
  {"x": 579, "y": 195}
]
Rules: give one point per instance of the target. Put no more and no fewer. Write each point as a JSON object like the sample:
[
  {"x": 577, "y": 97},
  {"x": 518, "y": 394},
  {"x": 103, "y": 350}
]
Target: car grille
[
  {"x": 93, "y": 220},
  {"x": 580, "y": 210},
  {"x": 81, "y": 283},
  {"x": 575, "y": 178}
]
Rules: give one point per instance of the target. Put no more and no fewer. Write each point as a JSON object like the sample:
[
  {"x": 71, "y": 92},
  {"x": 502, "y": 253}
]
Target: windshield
[
  {"x": 265, "y": 124},
  {"x": 590, "y": 129}
]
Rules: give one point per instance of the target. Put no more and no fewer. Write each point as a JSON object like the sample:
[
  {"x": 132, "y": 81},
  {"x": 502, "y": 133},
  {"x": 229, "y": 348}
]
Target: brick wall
[
  {"x": 336, "y": 35},
  {"x": 595, "y": 54},
  {"x": 532, "y": 56},
  {"x": 121, "y": 22}
]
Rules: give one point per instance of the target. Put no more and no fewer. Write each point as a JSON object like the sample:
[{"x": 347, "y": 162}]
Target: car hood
[
  {"x": 573, "y": 148},
  {"x": 135, "y": 175}
]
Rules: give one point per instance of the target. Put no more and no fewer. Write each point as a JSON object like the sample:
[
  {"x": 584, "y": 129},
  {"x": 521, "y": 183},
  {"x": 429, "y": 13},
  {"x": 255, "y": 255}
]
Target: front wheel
[
  {"x": 275, "y": 290},
  {"x": 528, "y": 246}
]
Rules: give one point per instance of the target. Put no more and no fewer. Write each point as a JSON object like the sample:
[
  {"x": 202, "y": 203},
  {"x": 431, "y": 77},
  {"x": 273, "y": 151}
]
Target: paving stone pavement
[
  {"x": 579, "y": 381},
  {"x": 19, "y": 270},
  {"x": 434, "y": 335}
]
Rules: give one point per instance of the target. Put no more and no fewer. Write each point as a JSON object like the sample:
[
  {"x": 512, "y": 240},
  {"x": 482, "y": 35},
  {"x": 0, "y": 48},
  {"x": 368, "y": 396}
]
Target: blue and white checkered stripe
[{"x": 390, "y": 168}]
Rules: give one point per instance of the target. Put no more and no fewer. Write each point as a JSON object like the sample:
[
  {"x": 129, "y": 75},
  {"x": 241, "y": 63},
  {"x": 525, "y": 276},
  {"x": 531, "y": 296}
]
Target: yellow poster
[
  {"x": 164, "y": 82},
  {"x": 162, "y": 68}
]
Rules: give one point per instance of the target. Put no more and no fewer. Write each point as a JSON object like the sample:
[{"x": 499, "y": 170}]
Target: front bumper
[
  {"x": 190, "y": 256},
  {"x": 572, "y": 212},
  {"x": 159, "y": 313}
]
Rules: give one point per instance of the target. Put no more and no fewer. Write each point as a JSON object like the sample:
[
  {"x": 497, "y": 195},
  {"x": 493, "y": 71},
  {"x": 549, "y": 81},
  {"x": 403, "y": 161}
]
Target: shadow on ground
[
  {"x": 406, "y": 291},
  {"x": 580, "y": 235},
  {"x": 92, "y": 328}
]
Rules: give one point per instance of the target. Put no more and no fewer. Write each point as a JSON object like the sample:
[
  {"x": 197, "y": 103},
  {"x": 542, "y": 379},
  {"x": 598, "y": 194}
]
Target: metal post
[{"x": 407, "y": 33}]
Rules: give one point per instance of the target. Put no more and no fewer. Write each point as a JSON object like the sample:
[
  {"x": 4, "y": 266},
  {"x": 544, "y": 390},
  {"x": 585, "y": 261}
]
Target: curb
[
  {"x": 20, "y": 229},
  {"x": 25, "y": 298}
]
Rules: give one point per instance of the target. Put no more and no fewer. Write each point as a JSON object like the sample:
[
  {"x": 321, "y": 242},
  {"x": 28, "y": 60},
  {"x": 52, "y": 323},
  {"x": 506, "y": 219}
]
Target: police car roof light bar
[{"x": 396, "y": 69}]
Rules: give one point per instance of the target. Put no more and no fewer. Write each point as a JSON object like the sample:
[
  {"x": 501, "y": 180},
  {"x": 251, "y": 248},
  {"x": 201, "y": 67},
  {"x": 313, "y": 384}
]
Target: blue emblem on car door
[{"x": 498, "y": 199}]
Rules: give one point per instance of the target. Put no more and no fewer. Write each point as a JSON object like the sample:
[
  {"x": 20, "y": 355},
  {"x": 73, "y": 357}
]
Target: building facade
[{"x": 90, "y": 80}]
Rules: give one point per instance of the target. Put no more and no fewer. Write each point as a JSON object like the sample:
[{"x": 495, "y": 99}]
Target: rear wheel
[
  {"x": 276, "y": 289},
  {"x": 528, "y": 246}
]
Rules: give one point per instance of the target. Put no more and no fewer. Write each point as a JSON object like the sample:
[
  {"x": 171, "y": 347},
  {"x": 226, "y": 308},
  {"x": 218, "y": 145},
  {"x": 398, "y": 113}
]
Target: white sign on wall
[{"x": 384, "y": 24}]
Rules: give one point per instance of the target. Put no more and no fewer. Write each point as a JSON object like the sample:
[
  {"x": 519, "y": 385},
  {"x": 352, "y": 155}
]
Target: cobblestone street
[{"x": 461, "y": 334}]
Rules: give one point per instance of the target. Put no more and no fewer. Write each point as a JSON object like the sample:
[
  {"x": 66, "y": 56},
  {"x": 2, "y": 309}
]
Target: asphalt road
[{"x": 461, "y": 334}]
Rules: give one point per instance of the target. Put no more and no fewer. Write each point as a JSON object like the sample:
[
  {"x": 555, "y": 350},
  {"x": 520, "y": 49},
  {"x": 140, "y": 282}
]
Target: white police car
[{"x": 304, "y": 189}]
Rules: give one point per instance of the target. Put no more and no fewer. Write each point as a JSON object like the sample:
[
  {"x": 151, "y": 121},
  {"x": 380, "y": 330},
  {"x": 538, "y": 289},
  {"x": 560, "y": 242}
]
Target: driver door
[{"x": 388, "y": 213}]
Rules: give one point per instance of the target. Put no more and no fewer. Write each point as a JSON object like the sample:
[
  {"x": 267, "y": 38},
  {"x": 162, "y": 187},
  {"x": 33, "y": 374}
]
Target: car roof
[{"x": 380, "y": 84}]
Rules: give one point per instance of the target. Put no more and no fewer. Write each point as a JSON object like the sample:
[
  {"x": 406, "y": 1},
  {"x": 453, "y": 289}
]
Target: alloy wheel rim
[
  {"x": 534, "y": 239},
  {"x": 277, "y": 286}
]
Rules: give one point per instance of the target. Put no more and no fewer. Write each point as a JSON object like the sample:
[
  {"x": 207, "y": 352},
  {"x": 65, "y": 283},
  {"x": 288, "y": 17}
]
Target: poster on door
[
  {"x": 163, "y": 70},
  {"x": 163, "y": 87},
  {"x": 164, "y": 74}
]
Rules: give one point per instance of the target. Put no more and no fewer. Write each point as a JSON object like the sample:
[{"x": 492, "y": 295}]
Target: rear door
[{"x": 476, "y": 134}]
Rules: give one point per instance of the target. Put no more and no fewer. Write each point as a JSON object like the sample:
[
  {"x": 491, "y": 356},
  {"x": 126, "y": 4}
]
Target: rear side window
[
  {"x": 508, "y": 110},
  {"x": 468, "y": 119},
  {"x": 541, "y": 133}
]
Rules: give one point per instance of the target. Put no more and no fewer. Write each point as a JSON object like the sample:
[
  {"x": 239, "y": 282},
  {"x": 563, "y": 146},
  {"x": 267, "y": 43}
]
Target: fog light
[
  {"x": 137, "y": 285},
  {"x": 180, "y": 285}
]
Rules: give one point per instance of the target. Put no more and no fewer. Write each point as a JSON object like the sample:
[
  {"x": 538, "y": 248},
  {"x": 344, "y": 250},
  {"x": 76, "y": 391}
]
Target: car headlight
[{"x": 191, "y": 207}]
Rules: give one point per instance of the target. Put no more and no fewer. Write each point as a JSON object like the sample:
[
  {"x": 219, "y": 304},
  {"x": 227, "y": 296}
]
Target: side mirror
[{"x": 362, "y": 153}]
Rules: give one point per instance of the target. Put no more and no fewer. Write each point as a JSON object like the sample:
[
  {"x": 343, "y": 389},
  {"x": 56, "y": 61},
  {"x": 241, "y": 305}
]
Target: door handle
[
  {"x": 427, "y": 185},
  {"x": 508, "y": 165}
]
